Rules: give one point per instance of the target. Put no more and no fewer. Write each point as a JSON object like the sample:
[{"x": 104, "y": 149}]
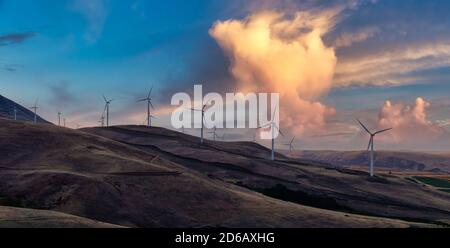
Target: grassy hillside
[{"x": 248, "y": 166}]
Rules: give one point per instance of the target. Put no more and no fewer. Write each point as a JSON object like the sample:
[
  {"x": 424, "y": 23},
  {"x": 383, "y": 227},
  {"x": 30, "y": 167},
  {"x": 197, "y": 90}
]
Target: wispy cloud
[
  {"x": 95, "y": 13},
  {"x": 394, "y": 65},
  {"x": 10, "y": 67},
  {"x": 15, "y": 38},
  {"x": 61, "y": 95},
  {"x": 348, "y": 39}
]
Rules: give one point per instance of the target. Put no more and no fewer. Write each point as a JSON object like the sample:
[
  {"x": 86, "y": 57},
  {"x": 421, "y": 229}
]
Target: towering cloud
[
  {"x": 270, "y": 51},
  {"x": 410, "y": 122}
]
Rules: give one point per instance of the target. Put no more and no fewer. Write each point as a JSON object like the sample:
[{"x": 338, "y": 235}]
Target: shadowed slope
[{"x": 23, "y": 114}]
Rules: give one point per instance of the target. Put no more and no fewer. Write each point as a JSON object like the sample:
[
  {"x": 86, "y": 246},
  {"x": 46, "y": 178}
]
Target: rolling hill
[
  {"x": 409, "y": 161},
  {"x": 23, "y": 114},
  {"x": 152, "y": 177},
  {"x": 11, "y": 217},
  {"x": 247, "y": 165}
]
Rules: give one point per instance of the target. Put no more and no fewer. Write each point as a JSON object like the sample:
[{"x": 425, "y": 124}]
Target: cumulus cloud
[
  {"x": 271, "y": 52},
  {"x": 409, "y": 122}
]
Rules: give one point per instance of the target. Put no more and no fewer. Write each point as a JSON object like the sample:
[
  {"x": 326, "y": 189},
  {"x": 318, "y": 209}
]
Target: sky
[{"x": 386, "y": 62}]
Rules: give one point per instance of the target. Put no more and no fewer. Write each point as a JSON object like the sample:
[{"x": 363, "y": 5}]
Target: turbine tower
[
  {"x": 15, "y": 112},
  {"x": 203, "y": 117},
  {"x": 272, "y": 126},
  {"x": 290, "y": 144},
  {"x": 102, "y": 120},
  {"x": 35, "y": 107},
  {"x": 107, "y": 103},
  {"x": 59, "y": 118},
  {"x": 370, "y": 146},
  {"x": 148, "y": 99}
]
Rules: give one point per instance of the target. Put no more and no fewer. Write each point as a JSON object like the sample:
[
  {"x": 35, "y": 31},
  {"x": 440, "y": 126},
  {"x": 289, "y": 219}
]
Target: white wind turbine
[
  {"x": 272, "y": 126},
  {"x": 35, "y": 107},
  {"x": 102, "y": 120},
  {"x": 291, "y": 144},
  {"x": 148, "y": 99},
  {"x": 15, "y": 112},
  {"x": 203, "y": 117},
  {"x": 59, "y": 118},
  {"x": 370, "y": 146},
  {"x": 214, "y": 133},
  {"x": 107, "y": 103}
]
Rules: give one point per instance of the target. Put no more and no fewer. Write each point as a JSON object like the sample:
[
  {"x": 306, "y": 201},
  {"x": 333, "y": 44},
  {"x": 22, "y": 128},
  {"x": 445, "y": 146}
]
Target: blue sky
[{"x": 70, "y": 52}]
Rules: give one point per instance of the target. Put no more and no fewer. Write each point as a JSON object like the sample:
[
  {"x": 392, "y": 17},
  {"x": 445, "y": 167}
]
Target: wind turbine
[
  {"x": 15, "y": 112},
  {"x": 102, "y": 120},
  {"x": 370, "y": 146},
  {"x": 148, "y": 99},
  {"x": 290, "y": 144},
  {"x": 203, "y": 117},
  {"x": 64, "y": 121},
  {"x": 272, "y": 126},
  {"x": 35, "y": 107},
  {"x": 107, "y": 103},
  {"x": 214, "y": 133},
  {"x": 59, "y": 118}
]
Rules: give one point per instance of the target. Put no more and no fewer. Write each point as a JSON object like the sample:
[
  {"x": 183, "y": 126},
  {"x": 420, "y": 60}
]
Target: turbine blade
[
  {"x": 279, "y": 130},
  {"x": 274, "y": 111},
  {"x": 365, "y": 128},
  {"x": 151, "y": 104},
  {"x": 104, "y": 97},
  {"x": 264, "y": 126},
  {"x": 150, "y": 92},
  {"x": 292, "y": 140},
  {"x": 384, "y": 130},
  {"x": 142, "y": 100}
]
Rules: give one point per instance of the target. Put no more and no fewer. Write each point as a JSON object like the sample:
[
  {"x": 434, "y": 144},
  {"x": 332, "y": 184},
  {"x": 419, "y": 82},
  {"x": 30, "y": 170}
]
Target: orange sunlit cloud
[
  {"x": 409, "y": 122},
  {"x": 272, "y": 53}
]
